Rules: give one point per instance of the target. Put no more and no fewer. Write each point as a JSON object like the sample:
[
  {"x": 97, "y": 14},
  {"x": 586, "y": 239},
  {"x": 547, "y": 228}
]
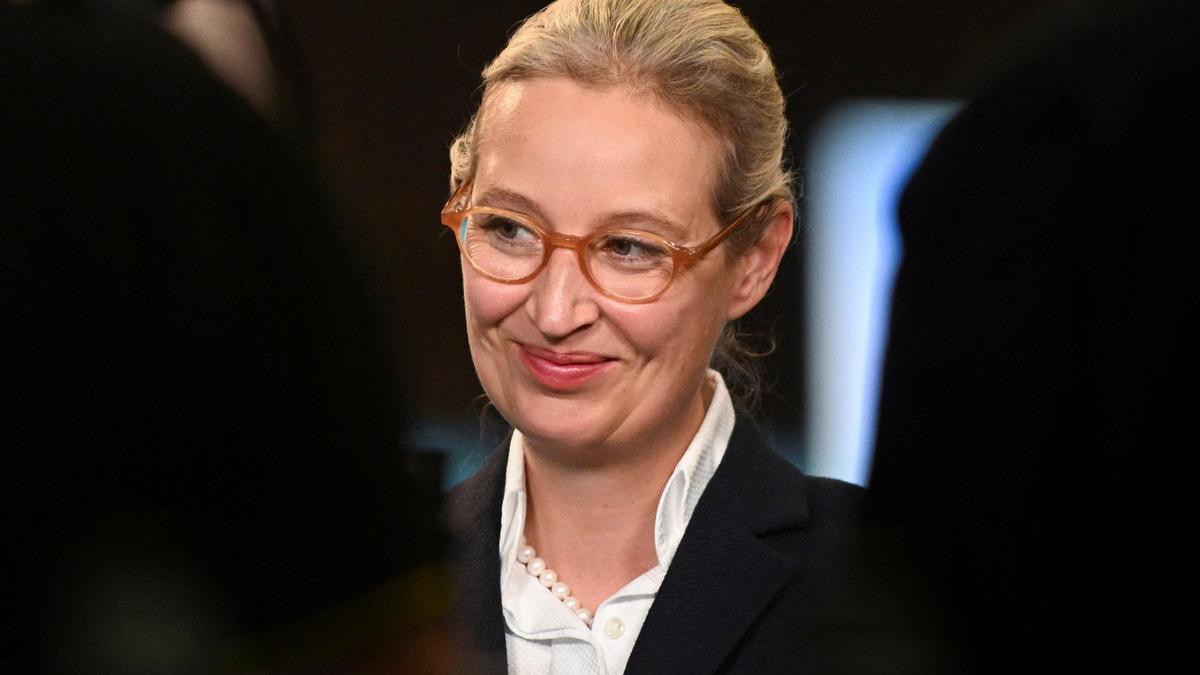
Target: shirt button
[{"x": 614, "y": 628}]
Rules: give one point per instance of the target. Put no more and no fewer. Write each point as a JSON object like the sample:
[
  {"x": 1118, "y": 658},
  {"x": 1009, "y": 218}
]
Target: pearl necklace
[{"x": 536, "y": 567}]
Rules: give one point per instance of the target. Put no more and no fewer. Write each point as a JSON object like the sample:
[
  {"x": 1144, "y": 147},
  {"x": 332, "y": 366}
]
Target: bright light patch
[{"x": 860, "y": 157}]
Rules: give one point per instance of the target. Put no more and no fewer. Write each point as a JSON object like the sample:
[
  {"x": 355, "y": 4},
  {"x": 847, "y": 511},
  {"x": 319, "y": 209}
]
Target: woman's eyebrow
[
  {"x": 498, "y": 196},
  {"x": 651, "y": 220}
]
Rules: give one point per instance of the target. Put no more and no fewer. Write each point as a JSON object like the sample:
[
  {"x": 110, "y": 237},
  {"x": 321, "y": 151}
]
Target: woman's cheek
[
  {"x": 487, "y": 302},
  {"x": 655, "y": 329}
]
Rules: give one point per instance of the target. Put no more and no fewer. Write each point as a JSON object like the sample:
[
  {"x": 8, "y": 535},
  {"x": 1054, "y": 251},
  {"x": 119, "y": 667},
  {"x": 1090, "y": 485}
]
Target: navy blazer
[{"x": 743, "y": 592}]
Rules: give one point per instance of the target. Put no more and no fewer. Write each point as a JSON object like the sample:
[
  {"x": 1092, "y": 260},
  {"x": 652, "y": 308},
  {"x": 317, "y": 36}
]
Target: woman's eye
[
  {"x": 506, "y": 229},
  {"x": 633, "y": 248},
  {"x": 623, "y": 247}
]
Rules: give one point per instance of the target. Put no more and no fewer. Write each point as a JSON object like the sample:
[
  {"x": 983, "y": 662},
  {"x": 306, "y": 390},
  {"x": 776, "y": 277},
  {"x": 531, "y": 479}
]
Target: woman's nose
[{"x": 561, "y": 301}]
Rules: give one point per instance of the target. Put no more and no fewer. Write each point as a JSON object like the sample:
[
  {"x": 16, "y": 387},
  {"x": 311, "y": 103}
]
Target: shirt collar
[
  {"x": 692, "y": 473},
  {"x": 679, "y": 497}
]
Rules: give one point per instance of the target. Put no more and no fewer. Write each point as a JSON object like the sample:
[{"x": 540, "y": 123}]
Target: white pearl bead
[
  {"x": 535, "y": 566},
  {"x": 561, "y": 591},
  {"x": 526, "y": 553},
  {"x": 548, "y": 578},
  {"x": 584, "y": 615},
  {"x": 571, "y": 602}
]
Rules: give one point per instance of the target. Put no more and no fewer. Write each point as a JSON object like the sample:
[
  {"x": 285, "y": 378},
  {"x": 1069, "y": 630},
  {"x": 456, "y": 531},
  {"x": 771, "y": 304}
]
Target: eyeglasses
[{"x": 623, "y": 264}]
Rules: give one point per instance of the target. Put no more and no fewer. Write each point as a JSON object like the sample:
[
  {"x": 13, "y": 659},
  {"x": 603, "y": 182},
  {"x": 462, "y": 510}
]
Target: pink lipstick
[{"x": 562, "y": 370}]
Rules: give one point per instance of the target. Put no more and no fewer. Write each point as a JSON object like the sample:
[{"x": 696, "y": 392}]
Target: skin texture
[{"x": 599, "y": 451}]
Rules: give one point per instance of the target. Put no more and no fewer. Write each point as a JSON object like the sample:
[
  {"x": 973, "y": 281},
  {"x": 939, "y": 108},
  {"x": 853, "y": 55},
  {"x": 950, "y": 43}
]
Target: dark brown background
[{"x": 392, "y": 83}]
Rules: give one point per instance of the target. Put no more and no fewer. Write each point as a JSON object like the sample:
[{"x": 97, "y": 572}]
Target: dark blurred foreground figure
[
  {"x": 201, "y": 467},
  {"x": 248, "y": 44},
  {"x": 1037, "y": 430}
]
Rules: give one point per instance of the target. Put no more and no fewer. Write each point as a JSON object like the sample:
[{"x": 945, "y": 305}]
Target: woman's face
[{"x": 566, "y": 365}]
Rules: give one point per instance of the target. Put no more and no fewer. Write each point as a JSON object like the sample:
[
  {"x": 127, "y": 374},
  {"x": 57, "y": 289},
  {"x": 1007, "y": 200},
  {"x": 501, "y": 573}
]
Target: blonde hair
[{"x": 700, "y": 58}]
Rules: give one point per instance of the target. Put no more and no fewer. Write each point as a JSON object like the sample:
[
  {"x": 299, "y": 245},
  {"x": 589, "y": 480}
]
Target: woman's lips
[{"x": 562, "y": 370}]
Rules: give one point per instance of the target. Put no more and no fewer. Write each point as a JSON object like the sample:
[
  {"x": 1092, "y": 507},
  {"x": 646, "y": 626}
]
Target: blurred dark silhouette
[
  {"x": 202, "y": 463},
  {"x": 249, "y": 44},
  {"x": 1033, "y": 474}
]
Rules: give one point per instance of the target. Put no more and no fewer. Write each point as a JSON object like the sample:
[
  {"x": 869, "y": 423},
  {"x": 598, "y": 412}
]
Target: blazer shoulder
[
  {"x": 833, "y": 498},
  {"x": 760, "y": 488},
  {"x": 472, "y": 499}
]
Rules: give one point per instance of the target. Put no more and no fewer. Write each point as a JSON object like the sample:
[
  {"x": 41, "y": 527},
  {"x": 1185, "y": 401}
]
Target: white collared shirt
[{"x": 542, "y": 635}]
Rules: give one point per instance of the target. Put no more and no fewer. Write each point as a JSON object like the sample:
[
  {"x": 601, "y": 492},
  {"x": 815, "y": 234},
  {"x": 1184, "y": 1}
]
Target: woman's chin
[
  {"x": 563, "y": 426},
  {"x": 562, "y": 434}
]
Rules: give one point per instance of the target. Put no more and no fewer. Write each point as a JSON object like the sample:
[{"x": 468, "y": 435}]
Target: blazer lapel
[
  {"x": 474, "y": 515},
  {"x": 753, "y": 498}
]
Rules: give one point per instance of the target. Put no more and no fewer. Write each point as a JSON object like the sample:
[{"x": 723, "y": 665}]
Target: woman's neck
[
  {"x": 594, "y": 524},
  {"x": 594, "y": 527}
]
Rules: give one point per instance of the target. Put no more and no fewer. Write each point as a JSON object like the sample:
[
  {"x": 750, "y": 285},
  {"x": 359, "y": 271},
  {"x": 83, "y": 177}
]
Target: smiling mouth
[{"x": 562, "y": 371}]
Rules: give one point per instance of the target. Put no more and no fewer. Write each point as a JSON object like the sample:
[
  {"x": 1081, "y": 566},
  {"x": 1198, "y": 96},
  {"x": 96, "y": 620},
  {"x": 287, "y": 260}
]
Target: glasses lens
[
  {"x": 499, "y": 246},
  {"x": 631, "y": 265}
]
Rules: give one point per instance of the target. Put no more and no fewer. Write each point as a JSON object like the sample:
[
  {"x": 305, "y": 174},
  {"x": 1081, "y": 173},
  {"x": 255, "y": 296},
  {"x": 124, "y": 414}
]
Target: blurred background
[
  {"x": 390, "y": 85},
  {"x": 226, "y": 461}
]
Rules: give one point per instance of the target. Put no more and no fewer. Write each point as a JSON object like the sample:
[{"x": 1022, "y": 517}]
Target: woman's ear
[{"x": 756, "y": 268}]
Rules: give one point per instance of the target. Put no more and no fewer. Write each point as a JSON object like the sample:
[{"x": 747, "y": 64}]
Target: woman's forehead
[{"x": 551, "y": 140}]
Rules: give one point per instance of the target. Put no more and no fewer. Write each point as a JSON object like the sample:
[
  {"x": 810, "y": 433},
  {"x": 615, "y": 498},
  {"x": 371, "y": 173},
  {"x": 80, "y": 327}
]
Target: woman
[{"x": 618, "y": 200}]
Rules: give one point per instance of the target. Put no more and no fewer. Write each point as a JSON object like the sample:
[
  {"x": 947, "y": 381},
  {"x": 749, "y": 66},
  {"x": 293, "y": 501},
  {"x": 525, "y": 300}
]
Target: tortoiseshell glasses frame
[{"x": 457, "y": 216}]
